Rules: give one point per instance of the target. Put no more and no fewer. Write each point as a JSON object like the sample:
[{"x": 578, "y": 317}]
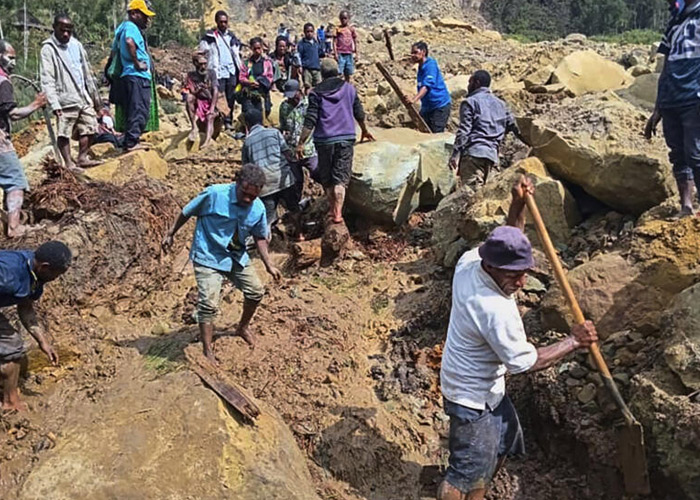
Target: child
[
  {"x": 105, "y": 128},
  {"x": 310, "y": 52},
  {"x": 345, "y": 46}
]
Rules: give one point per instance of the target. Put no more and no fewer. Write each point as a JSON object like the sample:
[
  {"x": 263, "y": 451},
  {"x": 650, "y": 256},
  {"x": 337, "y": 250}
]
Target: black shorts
[
  {"x": 437, "y": 118},
  {"x": 335, "y": 163},
  {"x": 290, "y": 198}
]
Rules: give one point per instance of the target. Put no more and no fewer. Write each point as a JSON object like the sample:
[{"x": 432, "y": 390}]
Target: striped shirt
[{"x": 265, "y": 148}]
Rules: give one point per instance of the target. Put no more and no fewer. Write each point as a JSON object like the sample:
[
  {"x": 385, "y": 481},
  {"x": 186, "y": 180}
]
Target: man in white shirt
[
  {"x": 485, "y": 339},
  {"x": 66, "y": 79},
  {"x": 223, "y": 50}
]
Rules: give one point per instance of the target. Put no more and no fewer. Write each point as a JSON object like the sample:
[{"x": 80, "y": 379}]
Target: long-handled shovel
[{"x": 631, "y": 438}]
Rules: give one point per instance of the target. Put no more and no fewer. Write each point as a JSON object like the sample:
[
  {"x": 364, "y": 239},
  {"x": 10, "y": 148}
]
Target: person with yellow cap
[{"x": 136, "y": 98}]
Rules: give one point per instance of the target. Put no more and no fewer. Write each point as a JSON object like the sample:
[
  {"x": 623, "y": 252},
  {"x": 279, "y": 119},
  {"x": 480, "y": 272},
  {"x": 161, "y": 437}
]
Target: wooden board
[
  {"x": 412, "y": 112},
  {"x": 226, "y": 389}
]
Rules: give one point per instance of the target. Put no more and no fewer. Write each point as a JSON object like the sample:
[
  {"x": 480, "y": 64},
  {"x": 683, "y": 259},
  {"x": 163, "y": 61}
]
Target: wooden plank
[
  {"x": 389, "y": 46},
  {"x": 412, "y": 112},
  {"x": 226, "y": 389}
]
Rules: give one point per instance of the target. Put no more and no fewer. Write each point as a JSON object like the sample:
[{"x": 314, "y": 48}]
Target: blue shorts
[
  {"x": 346, "y": 64},
  {"x": 12, "y": 175},
  {"x": 478, "y": 439}
]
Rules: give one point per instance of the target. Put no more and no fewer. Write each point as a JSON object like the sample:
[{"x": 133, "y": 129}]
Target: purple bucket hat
[{"x": 507, "y": 248}]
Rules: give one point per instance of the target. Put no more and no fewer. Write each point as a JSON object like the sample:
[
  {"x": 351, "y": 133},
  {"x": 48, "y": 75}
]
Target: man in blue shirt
[
  {"x": 678, "y": 99},
  {"x": 136, "y": 71},
  {"x": 432, "y": 91},
  {"x": 227, "y": 214},
  {"x": 23, "y": 275},
  {"x": 310, "y": 52}
]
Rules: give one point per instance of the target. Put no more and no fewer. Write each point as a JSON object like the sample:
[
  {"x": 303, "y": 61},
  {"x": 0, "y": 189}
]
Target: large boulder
[
  {"x": 401, "y": 171},
  {"x": 169, "y": 438},
  {"x": 606, "y": 287},
  {"x": 672, "y": 433},
  {"x": 540, "y": 76},
  {"x": 129, "y": 166},
  {"x": 642, "y": 92},
  {"x": 631, "y": 290},
  {"x": 464, "y": 219},
  {"x": 682, "y": 351},
  {"x": 586, "y": 71},
  {"x": 597, "y": 145},
  {"x": 458, "y": 86}
]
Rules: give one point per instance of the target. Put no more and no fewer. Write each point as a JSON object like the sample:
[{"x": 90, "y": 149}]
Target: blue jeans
[
  {"x": 478, "y": 439},
  {"x": 346, "y": 64},
  {"x": 682, "y": 132}
]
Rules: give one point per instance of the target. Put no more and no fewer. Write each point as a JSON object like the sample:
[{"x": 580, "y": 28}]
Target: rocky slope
[{"x": 349, "y": 355}]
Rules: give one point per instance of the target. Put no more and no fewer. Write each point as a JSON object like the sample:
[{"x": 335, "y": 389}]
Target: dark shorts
[
  {"x": 478, "y": 439},
  {"x": 12, "y": 176},
  {"x": 11, "y": 343},
  {"x": 437, "y": 118},
  {"x": 289, "y": 197},
  {"x": 335, "y": 163}
]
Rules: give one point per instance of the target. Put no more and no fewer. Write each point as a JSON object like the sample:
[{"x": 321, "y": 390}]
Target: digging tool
[
  {"x": 415, "y": 115},
  {"x": 631, "y": 436},
  {"x": 47, "y": 118}
]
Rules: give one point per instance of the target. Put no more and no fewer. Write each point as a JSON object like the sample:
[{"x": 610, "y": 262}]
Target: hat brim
[
  {"x": 290, "y": 93},
  {"x": 147, "y": 12},
  {"x": 522, "y": 265}
]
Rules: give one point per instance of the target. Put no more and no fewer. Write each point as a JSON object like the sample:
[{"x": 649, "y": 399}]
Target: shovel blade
[{"x": 633, "y": 459}]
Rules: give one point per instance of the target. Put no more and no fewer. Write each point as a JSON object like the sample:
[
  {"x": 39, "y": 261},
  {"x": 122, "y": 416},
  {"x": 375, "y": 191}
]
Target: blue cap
[{"x": 507, "y": 248}]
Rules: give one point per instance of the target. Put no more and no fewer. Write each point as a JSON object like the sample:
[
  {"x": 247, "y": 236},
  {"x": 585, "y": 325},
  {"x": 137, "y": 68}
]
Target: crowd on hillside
[{"x": 316, "y": 133}]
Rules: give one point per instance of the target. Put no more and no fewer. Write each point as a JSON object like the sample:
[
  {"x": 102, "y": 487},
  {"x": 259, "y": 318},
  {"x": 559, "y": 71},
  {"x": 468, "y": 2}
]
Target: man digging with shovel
[{"x": 485, "y": 339}]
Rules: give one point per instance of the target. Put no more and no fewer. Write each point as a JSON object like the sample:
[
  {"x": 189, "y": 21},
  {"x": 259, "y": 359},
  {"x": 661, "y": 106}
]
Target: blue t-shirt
[
  {"x": 129, "y": 30},
  {"x": 17, "y": 279},
  {"x": 438, "y": 96},
  {"x": 679, "y": 83},
  {"x": 219, "y": 220},
  {"x": 310, "y": 52},
  {"x": 321, "y": 34}
]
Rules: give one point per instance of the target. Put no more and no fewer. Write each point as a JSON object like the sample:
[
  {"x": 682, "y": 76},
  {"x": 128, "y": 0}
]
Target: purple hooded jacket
[{"x": 333, "y": 108}]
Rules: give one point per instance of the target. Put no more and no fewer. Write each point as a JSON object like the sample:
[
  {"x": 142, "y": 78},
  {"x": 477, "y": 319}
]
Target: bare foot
[
  {"x": 18, "y": 406},
  {"x": 87, "y": 163},
  {"x": 76, "y": 169},
  {"x": 205, "y": 145},
  {"x": 18, "y": 231},
  {"x": 247, "y": 336},
  {"x": 193, "y": 135},
  {"x": 211, "y": 358},
  {"x": 137, "y": 147}
]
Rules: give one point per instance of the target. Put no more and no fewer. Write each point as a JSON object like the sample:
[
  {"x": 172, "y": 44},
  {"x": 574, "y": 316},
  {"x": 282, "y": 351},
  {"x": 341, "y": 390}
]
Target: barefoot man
[
  {"x": 227, "y": 214},
  {"x": 23, "y": 275},
  {"x": 485, "y": 340},
  {"x": 202, "y": 96},
  {"x": 67, "y": 81}
]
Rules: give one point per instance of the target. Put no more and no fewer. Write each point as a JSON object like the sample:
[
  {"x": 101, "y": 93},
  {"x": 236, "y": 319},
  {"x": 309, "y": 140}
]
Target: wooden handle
[{"x": 573, "y": 305}]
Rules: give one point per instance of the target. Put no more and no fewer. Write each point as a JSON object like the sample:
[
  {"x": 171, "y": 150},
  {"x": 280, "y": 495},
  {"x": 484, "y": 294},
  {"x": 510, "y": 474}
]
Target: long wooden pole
[
  {"x": 412, "y": 112},
  {"x": 632, "y": 449}
]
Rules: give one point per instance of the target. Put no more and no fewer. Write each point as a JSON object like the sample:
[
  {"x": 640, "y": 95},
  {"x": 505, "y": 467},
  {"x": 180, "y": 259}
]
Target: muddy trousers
[{"x": 682, "y": 132}]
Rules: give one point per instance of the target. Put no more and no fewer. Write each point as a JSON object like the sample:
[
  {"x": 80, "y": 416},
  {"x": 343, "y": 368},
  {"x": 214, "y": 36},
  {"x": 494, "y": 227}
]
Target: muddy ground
[{"x": 347, "y": 354}]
